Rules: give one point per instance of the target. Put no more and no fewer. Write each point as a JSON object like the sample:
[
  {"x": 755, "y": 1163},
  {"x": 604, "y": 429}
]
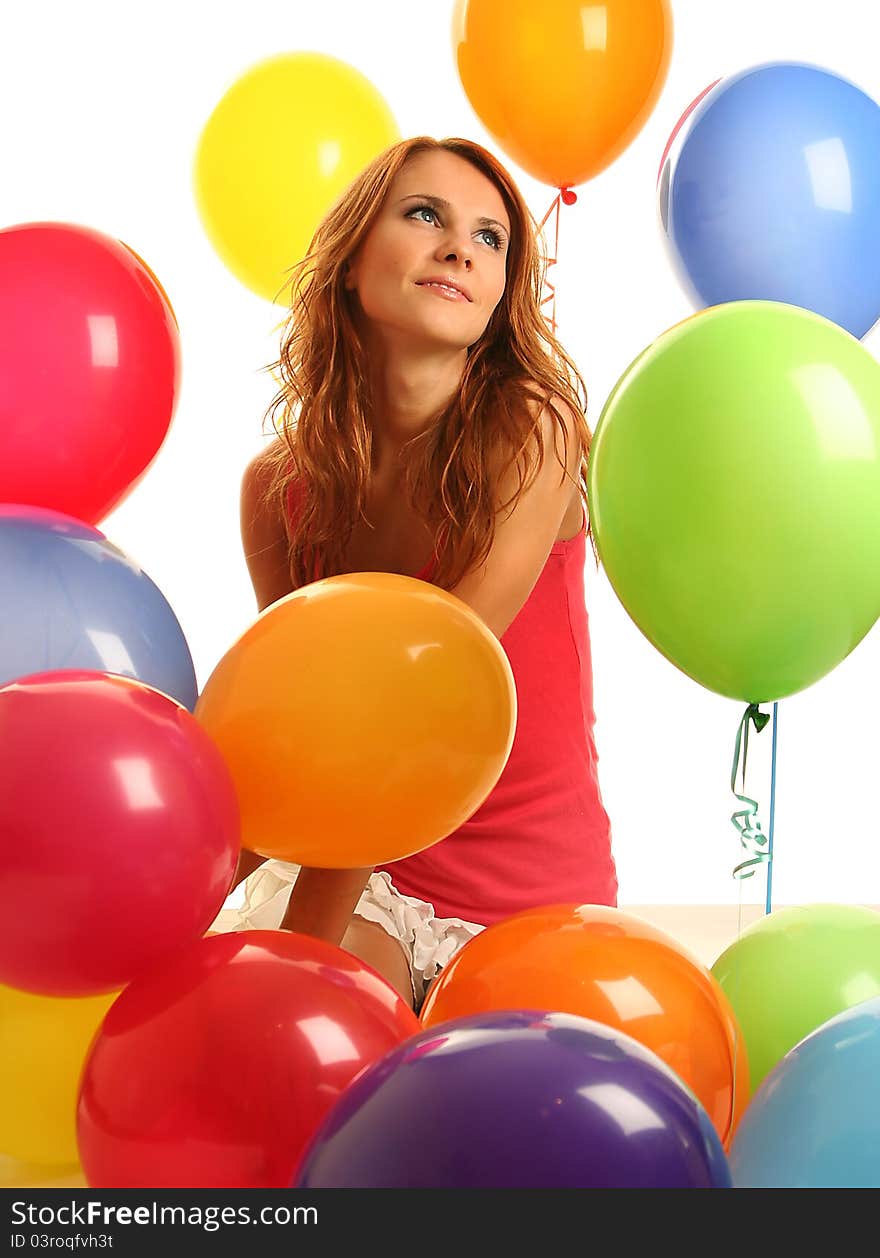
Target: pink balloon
[
  {"x": 90, "y": 365},
  {"x": 119, "y": 831}
]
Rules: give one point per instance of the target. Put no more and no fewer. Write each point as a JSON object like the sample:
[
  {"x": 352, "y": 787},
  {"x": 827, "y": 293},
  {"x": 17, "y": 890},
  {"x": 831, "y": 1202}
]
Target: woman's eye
[
  {"x": 423, "y": 209},
  {"x": 494, "y": 239}
]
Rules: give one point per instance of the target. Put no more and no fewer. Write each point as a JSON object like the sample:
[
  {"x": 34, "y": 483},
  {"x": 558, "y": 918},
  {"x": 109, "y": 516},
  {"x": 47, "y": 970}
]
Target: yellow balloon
[
  {"x": 278, "y": 150},
  {"x": 15, "y": 1174},
  {"x": 43, "y": 1044},
  {"x": 363, "y": 718}
]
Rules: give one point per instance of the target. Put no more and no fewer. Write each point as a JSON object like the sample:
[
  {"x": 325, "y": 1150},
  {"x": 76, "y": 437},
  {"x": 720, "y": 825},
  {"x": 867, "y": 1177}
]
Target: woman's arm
[
  {"x": 247, "y": 862},
  {"x": 264, "y": 541},
  {"x": 523, "y": 538},
  {"x": 323, "y": 900},
  {"x": 263, "y": 535}
]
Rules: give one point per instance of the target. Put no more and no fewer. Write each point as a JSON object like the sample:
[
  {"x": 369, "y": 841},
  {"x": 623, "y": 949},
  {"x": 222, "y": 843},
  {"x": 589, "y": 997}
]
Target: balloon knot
[
  {"x": 758, "y": 718},
  {"x": 568, "y": 196}
]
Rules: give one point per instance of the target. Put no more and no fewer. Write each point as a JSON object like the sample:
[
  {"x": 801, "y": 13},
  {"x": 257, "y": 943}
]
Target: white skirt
[{"x": 429, "y": 942}]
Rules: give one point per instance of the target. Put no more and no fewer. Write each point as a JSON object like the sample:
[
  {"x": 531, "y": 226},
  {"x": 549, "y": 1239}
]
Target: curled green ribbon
[{"x": 751, "y": 836}]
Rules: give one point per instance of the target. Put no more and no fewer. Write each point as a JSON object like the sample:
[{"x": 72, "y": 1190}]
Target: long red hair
[{"x": 322, "y": 410}]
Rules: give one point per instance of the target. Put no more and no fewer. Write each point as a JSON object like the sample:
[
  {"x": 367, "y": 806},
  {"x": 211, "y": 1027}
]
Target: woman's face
[{"x": 442, "y": 220}]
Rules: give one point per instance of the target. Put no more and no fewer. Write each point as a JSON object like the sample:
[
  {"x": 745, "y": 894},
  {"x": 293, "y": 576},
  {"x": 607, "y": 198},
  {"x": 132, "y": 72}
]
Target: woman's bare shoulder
[
  {"x": 263, "y": 529},
  {"x": 263, "y": 467}
]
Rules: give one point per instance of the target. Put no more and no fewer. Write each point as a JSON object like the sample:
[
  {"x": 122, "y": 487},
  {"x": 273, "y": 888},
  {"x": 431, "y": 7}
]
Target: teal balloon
[
  {"x": 815, "y": 1120},
  {"x": 734, "y": 492}
]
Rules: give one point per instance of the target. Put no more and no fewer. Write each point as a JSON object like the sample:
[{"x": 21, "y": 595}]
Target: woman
[{"x": 429, "y": 424}]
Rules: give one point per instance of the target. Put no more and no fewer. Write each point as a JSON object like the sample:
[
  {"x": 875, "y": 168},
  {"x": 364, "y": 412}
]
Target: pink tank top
[{"x": 542, "y": 836}]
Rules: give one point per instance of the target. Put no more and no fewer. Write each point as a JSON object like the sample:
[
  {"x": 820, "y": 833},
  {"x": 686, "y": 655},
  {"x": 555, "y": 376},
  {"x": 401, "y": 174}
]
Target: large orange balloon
[
  {"x": 564, "y": 86},
  {"x": 616, "y": 969},
  {"x": 363, "y": 718}
]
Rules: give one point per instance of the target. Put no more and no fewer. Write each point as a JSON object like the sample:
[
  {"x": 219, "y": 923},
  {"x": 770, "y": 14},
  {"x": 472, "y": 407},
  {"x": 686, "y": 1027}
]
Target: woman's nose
[
  {"x": 455, "y": 249},
  {"x": 452, "y": 253}
]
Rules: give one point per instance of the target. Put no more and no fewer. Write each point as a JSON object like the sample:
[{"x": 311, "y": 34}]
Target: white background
[{"x": 101, "y": 107}]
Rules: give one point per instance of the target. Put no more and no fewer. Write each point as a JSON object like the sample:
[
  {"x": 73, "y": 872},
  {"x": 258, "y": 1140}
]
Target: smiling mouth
[{"x": 443, "y": 290}]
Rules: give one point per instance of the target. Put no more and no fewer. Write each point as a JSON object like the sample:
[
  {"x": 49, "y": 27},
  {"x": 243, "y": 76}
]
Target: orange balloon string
[{"x": 568, "y": 197}]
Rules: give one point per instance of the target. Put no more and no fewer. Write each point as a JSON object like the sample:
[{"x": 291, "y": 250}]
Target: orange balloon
[
  {"x": 563, "y": 87},
  {"x": 363, "y": 718},
  {"x": 616, "y": 969}
]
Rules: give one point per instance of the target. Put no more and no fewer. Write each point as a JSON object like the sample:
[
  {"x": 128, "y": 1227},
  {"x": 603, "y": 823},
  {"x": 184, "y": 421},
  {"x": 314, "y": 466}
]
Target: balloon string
[
  {"x": 568, "y": 197},
  {"x": 551, "y": 261},
  {"x": 751, "y": 836},
  {"x": 768, "y": 904},
  {"x": 753, "y": 840}
]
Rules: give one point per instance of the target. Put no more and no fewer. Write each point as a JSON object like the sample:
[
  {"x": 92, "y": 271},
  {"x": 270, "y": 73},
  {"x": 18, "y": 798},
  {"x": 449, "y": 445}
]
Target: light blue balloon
[
  {"x": 71, "y": 599},
  {"x": 815, "y": 1120},
  {"x": 771, "y": 190}
]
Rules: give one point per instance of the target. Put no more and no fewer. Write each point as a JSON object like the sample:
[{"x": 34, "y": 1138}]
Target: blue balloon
[
  {"x": 815, "y": 1120},
  {"x": 771, "y": 190},
  {"x": 516, "y": 1100},
  {"x": 73, "y": 600}
]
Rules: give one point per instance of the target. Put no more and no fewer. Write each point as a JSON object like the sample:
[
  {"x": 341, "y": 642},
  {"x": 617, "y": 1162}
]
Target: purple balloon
[{"x": 516, "y": 1100}]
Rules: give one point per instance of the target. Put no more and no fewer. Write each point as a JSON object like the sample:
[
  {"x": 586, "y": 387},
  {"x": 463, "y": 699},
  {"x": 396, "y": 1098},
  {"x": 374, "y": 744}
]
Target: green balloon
[
  {"x": 734, "y": 491},
  {"x": 790, "y": 972}
]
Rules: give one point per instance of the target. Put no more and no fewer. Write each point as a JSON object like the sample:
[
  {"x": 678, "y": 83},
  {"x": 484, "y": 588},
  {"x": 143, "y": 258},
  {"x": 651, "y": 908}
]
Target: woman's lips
[{"x": 443, "y": 290}]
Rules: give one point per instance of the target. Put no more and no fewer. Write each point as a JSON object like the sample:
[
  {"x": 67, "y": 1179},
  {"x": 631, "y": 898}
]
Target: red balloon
[
  {"x": 119, "y": 831},
  {"x": 90, "y": 364},
  {"x": 678, "y": 126},
  {"x": 216, "y": 1071}
]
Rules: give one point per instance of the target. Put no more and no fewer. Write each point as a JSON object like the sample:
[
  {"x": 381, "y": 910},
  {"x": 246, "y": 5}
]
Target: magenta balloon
[
  {"x": 119, "y": 831},
  {"x": 89, "y": 364}
]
